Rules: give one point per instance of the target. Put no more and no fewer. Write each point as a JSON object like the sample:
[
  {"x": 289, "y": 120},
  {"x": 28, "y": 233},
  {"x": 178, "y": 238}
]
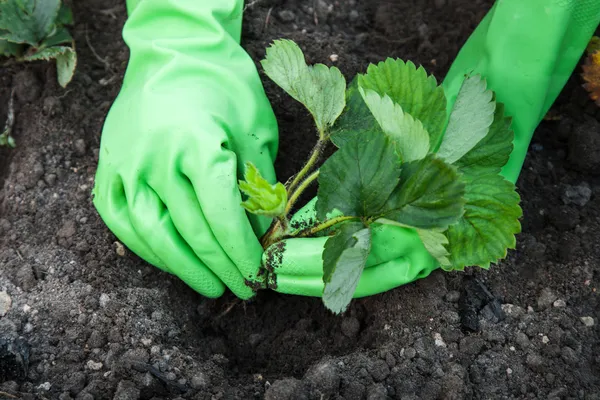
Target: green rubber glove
[
  {"x": 191, "y": 112},
  {"x": 526, "y": 50}
]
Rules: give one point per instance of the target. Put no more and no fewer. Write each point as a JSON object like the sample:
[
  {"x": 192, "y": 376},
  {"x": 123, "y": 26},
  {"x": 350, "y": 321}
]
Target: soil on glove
[{"x": 83, "y": 318}]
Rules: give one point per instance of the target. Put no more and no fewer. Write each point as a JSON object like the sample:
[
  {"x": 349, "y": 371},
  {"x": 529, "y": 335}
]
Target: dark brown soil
[{"x": 87, "y": 323}]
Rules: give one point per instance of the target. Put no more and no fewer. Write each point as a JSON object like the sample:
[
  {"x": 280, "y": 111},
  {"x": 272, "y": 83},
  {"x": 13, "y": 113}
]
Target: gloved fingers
[
  {"x": 374, "y": 279},
  {"x": 152, "y": 221},
  {"x": 212, "y": 169},
  {"x": 190, "y": 222},
  {"x": 111, "y": 203}
]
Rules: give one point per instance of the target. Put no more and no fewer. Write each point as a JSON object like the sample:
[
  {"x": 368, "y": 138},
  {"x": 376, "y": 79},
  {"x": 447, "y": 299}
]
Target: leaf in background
[
  {"x": 489, "y": 225},
  {"x": 27, "y": 21},
  {"x": 356, "y": 118},
  {"x": 418, "y": 94},
  {"x": 60, "y": 36},
  {"x": 263, "y": 198},
  {"x": 66, "y": 61},
  {"x": 493, "y": 151},
  {"x": 8, "y": 49},
  {"x": 65, "y": 15},
  {"x": 430, "y": 195},
  {"x": 319, "y": 88},
  {"x": 591, "y": 76},
  {"x": 344, "y": 259},
  {"x": 359, "y": 177},
  {"x": 409, "y": 136},
  {"x": 470, "y": 119}
]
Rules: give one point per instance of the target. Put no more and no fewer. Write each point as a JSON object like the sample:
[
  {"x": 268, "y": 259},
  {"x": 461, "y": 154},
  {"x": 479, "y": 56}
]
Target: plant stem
[
  {"x": 322, "y": 226},
  {"x": 314, "y": 157},
  {"x": 298, "y": 192}
]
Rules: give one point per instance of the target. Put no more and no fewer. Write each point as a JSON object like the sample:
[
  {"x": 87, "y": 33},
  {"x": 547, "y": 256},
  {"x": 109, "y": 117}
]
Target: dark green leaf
[
  {"x": 27, "y": 21},
  {"x": 355, "y": 119},
  {"x": 344, "y": 259},
  {"x": 359, "y": 177},
  {"x": 60, "y": 36},
  {"x": 489, "y": 225},
  {"x": 493, "y": 151},
  {"x": 65, "y": 15},
  {"x": 430, "y": 195},
  {"x": 9, "y": 49},
  {"x": 418, "y": 94}
]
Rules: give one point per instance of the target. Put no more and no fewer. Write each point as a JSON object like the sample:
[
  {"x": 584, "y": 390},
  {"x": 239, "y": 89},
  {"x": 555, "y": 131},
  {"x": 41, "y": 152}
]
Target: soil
[{"x": 79, "y": 320}]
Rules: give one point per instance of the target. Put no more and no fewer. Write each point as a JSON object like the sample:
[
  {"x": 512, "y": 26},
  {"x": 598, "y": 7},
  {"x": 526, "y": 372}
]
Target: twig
[
  {"x": 252, "y": 4},
  {"x": 229, "y": 308},
  {"x": 267, "y": 18},
  {"x": 10, "y": 396},
  {"x": 104, "y": 62},
  {"x": 111, "y": 12}
]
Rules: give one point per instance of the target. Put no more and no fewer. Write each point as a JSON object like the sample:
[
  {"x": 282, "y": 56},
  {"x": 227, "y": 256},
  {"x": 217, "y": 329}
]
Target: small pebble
[
  {"x": 545, "y": 339},
  {"x": 333, "y": 57},
  {"x": 199, "y": 381},
  {"x": 453, "y": 296},
  {"x": 120, "y": 249},
  {"x": 438, "y": 340},
  {"x": 104, "y": 299},
  {"x": 28, "y": 328},
  {"x": 559, "y": 303},
  {"x": 5, "y": 303},
  {"x": 410, "y": 353},
  {"x": 94, "y": 366},
  {"x": 509, "y": 371},
  {"x": 587, "y": 321},
  {"x": 286, "y": 15}
]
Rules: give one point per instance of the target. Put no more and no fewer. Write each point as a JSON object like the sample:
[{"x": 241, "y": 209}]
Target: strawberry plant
[
  {"x": 32, "y": 30},
  {"x": 400, "y": 160}
]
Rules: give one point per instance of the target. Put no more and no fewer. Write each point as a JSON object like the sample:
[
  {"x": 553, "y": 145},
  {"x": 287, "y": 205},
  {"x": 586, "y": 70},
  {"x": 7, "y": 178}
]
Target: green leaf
[
  {"x": 359, "y": 177},
  {"x": 65, "y": 15},
  {"x": 8, "y": 49},
  {"x": 263, "y": 198},
  {"x": 27, "y": 21},
  {"x": 408, "y": 134},
  {"x": 430, "y": 195},
  {"x": 65, "y": 66},
  {"x": 60, "y": 36},
  {"x": 344, "y": 259},
  {"x": 489, "y": 224},
  {"x": 319, "y": 88},
  {"x": 435, "y": 242},
  {"x": 493, "y": 151},
  {"x": 66, "y": 61},
  {"x": 418, "y": 94},
  {"x": 356, "y": 118},
  {"x": 470, "y": 119}
]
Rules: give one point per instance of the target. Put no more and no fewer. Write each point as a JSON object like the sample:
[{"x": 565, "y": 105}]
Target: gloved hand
[
  {"x": 526, "y": 50},
  {"x": 191, "y": 112}
]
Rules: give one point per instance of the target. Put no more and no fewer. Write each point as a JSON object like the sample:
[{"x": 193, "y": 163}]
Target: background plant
[
  {"x": 400, "y": 160},
  {"x": 33, "y": 30}
]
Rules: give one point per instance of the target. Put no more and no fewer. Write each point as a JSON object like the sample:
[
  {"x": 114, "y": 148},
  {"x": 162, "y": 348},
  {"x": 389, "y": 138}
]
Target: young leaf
[
  {"x": 8, "y": 49},
  {"x": 66, "y": 61},
  {"x": 27, "y": 21},
  {"x": 493, "y": 151},
  {"x": 344, "y": 259},
  {"x": 470, "y": 119},
  {"x": 319, "y": 88},
  {"x": 489, "y": 224},
  {"x": 359, "y": 177},
  {"x": 408, "y": 134},
  {"x": 263, "y": 198},
  {"x": 430, "y": 195},
  {"x": 418, "y": 94}
]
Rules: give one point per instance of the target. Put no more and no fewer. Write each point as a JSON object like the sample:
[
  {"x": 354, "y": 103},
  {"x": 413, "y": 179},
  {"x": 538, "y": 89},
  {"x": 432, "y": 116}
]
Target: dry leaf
[{"x": 591, "y": 75}]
